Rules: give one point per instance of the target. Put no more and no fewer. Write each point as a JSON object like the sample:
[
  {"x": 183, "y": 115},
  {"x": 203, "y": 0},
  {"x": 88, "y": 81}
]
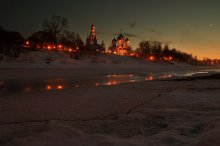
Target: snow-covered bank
[{"x": 36, "y": 65}]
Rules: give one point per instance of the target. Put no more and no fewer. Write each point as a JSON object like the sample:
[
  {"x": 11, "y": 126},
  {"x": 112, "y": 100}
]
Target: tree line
[
  {"x": 55, "y": 31},
  {"x": 10, "y": 42},
  {"x": 158, "y": 51}
]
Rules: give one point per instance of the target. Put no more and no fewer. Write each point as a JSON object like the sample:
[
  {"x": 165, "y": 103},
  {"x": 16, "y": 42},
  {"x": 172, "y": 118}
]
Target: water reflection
[
  {"x": 61, "y": 84},
  {"x": 194, "y": 73},
  {"x": 48, "y": 87},
  {"x": 109, "y": 80},
  {"x": 97, "y": 84},
  {"x": 27, "y": 89},
  {"x": 59, "y": 87},
  {"x": 166, "y": 76},
  {"x": 149, "y": 78},
  {"x": 111, "y": 83},
  {"x": 76, "y": 86}
]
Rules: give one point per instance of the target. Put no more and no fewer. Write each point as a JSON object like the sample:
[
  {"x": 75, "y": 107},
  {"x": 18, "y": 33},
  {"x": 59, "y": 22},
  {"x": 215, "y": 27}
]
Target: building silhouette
[{"x": 92, "y": 43}]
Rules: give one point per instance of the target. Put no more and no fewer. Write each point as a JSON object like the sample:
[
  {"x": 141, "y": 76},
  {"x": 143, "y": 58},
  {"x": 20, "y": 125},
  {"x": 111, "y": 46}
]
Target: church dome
[
  {"x": 120, "y": 37},
  {"x": 114, "y": 40}
]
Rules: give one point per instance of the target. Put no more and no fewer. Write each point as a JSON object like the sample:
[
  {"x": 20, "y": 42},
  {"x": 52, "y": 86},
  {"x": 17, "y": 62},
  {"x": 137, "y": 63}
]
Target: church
[
  {"x": 92, "y": 45},
  {"x": 120, "y": 46},
  {"x": 91, "y": 39}
]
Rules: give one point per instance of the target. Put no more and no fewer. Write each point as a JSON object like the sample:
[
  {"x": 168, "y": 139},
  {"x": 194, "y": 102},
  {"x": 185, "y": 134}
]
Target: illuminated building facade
[{"x": 120, "y": 46}]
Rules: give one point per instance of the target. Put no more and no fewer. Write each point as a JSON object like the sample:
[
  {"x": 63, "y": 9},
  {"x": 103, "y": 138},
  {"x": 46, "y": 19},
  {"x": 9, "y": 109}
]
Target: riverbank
[
  {"x": 153, "y": 112},
  {"x": 145, "y": 113}
]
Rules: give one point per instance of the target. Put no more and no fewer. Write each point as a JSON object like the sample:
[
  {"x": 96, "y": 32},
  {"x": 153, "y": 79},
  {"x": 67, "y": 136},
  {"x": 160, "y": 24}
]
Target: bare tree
[{"x": 55, "y": 25}]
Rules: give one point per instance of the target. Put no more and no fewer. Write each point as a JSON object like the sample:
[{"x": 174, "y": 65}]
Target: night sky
[{"x": 188, "y": 25}]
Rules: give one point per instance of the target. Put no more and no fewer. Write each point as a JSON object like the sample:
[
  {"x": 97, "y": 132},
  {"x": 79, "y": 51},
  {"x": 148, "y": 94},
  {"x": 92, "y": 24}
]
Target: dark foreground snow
[{"x": 136, "y": 114}]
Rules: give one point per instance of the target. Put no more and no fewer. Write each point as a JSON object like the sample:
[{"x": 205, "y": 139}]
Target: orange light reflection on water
[
  {"x": 165, "y": 76},
  {"x": 60, "y": 87},
  {"x": 150, "y": 78},
  {"x": 111, "y": 83},
  {"x": 48, "y": 87}
]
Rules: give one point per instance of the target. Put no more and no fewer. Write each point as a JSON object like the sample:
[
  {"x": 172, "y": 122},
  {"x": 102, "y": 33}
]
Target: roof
[
  {"x": 114, "y": 40},
  {"x": 120, "y": 37},
  {"x": 127, "y": 40}
]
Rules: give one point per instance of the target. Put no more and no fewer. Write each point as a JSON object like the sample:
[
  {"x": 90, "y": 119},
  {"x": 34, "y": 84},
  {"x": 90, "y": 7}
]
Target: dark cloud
[
  {"x": 152, "y": 30},
  {"x": 131, "y": 25},
  {"x": 130, "y": 35},
  {"x": 100, "y": 33}
]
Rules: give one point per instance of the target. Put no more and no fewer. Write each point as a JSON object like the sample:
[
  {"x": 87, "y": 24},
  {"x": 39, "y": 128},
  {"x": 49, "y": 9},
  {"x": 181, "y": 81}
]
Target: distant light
[
  {"x": 27, "y": 43},
  {"x": 151, "y": 57},
  {"x": 132, "y": 54},
  {"x": 115, "y": 52},
  {"x": 70, "y": 50}
]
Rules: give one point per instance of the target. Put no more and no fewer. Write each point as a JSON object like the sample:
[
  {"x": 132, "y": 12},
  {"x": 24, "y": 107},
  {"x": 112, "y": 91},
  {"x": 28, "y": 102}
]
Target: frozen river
[{"x": 31, "y": 86}]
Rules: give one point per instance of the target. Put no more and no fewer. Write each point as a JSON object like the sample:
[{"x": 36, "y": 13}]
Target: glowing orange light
[
  {"x": 59, "y": 87},
  {"x": 149, "y": 78},
  {"x": 48, "y": 47},
  {"x": 151, "y": 57},
  {"x": 48, "y": 87},
  {"x": 60, "y": 46},
  {"x": 132, "y": 54},
  {"x": 115, "y": 52},
  {"x": 70, "y": 50},
  {"x": 27, "y": 43}
]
